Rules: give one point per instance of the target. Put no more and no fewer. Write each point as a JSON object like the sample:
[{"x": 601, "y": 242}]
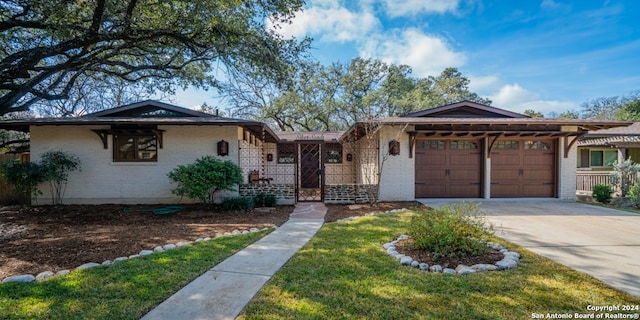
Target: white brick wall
[
  {"x": 397, "y": 182},
  {"x": 103, "y": 181},
  {"x": 567, "y": 171}
]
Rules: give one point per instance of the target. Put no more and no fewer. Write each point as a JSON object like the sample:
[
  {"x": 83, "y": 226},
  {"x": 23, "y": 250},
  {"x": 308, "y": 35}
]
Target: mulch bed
[
  {"x": 53, "y": 238},
  {"x": 405, "y": 247}
]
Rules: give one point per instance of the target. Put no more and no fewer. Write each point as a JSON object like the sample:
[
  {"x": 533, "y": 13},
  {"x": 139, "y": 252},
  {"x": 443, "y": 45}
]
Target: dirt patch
[
  {"x": 406, "y": 247},
  {"x": 336, "y": 212},
  {"x": 54, "y": 238}
]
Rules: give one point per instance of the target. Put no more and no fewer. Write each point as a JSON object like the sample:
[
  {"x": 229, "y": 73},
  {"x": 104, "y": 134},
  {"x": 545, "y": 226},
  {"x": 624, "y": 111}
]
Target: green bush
[
  {"x": 450, "y": 231},
  {"x": 602, "y": 193},
  {"x": 265, "y": 200},
  {"x": 206, "y": 176},
  {"x": 56, "y": 166},
  {"x": 634, "y": 194},
  {"x": 24, "y": 177},
  {"x": 237, "y": 204}
]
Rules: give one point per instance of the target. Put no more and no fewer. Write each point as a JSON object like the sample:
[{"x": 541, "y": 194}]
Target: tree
[
  {"x": 49, "y": 45},
  {"x": 91, "y": 94},
  {"x": 533, "y": 114},
  {"x": 56, "y": 166},
  {"x": 630, "y": 111}
]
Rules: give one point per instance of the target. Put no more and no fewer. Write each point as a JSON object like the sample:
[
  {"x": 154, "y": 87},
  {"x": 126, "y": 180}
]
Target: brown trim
[
  {"x": 567, "y": 145},
  {"x": 104, "y": 133},
  {"x": 491, "y": 145}
]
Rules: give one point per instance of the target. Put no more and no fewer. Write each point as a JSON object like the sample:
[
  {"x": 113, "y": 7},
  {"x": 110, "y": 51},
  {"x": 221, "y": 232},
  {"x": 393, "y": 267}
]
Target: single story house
[
  {"x": 599, "y": 150},
  {"x": 461, "y": 150}
]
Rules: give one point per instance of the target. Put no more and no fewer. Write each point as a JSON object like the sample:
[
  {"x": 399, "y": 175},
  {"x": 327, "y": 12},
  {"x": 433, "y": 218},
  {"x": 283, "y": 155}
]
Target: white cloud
[
  {"x": 512, "y": 95},
  {"x": 516, "y": 98},
  {"x": 481, "y": 83},
  {"x": 330, "y": 22},
  {"x": 397, "y": 8},
  {"x": 427, "y": 55}
]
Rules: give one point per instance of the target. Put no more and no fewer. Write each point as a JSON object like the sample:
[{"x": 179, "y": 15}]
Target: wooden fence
[
  {"x": 585, "y": 180},
  {"x": 7, "y": 194}
]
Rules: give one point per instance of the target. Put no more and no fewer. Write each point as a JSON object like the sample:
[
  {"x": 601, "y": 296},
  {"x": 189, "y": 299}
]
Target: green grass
[
  {"x": 343, "y": 273},
  {"x": 125, "y": 290}
]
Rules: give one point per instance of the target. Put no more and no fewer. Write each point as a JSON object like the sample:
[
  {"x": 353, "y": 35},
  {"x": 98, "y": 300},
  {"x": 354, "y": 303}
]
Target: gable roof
[
  {"x": 149, "y": 108},
  {"x": 465, "y": 109},
  {"x": 612, "y": 136},
  {"x": 145, "y": 113}
]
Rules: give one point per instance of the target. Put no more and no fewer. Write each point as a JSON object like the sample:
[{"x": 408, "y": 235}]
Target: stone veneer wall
[
  {"x": 346, "y": 193},
  {"x": 285, "y": 193}
]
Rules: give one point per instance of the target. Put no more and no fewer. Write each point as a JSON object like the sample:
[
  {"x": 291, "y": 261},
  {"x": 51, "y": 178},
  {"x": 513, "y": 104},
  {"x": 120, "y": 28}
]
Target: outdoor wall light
[
  {"x": 223, "y": 148},
  {"x": 349, "y": 157},
  {"x": 394, "y": 147},
  {"x": 269, "y": 156}
]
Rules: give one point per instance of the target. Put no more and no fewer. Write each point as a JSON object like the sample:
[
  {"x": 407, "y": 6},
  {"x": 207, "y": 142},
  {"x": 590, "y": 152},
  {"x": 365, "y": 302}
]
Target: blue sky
[{"x": 546, "y": 55}]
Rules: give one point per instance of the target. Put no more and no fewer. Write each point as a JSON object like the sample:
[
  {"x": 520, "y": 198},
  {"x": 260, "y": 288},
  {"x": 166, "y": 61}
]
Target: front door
[{"x": 310, "y": 172}]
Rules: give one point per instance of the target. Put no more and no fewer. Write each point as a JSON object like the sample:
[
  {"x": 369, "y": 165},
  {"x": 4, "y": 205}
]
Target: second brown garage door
[
  {"x": 448, "y": 168},
  {"x": 523, "y": 168}
]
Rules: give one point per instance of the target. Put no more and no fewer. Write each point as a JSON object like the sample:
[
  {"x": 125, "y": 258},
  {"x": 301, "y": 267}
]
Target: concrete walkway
[
  {"x": 602, "y": 242},
  {"x": 223, "y": 291}
]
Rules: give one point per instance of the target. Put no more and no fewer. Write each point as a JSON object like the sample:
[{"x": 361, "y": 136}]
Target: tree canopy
[
  {"x": 334, "y": 97},
  {"x": 612, "y": 108},
  {"x": 48, "y": 45}
]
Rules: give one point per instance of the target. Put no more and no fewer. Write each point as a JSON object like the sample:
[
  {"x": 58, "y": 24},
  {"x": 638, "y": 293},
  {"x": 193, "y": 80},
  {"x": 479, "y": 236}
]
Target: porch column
[
  {"x": 622, "y": 154},
  {"x": 487, "y": 169}
]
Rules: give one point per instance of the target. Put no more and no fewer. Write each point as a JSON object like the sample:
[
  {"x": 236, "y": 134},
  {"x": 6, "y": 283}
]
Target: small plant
[
  {"x": 237, "y": 204},
  {"x": 203, "y": 178},
  {"x": 602, "y": 193},
  {"x": 450, "y": 231},
  {"x": 56, "y": 166},
  {"x": 634, "y": 194},
  {"x": 265, "y": 200}
]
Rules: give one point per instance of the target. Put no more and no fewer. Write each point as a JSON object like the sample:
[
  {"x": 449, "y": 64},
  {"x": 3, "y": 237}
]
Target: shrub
[
  {"x": 450, "y": 231},
  {"x": 24, "y": 177},
  {"x": 203, "y": 178},
  {"x": 624, "y": 175},
  {"x": 265, "y": 200},
  {"x": 602, "y": 193},
  {"x": 56, "y": 166},
  {"x": 237, "y": 204},
  {"x": 634, "y": 194}
]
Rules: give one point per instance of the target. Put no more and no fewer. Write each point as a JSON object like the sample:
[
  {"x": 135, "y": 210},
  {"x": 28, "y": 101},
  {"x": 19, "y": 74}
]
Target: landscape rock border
[
  {"x": 510, "y": 260},
  {"x": 48, "y": 274}
]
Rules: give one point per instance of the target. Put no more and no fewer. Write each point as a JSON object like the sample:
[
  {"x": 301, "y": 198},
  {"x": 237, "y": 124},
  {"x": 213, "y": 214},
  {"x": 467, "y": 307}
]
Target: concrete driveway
[{"x": 604, "y": 243}]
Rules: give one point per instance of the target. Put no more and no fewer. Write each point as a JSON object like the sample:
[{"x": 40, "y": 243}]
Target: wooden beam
[
  {"x": 491, "y": 144},
  {"x": 412, "y": 143},
  {"x": 568, "y": 145},
  {"x": 103, "y": 134}
]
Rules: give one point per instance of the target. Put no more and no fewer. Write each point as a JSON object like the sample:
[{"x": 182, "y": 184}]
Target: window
[
  {"x": 286, "y": 152},
  {"x": 132, "y": 148},
  {"x": 333, "y": 153},
  {"x": 430, "y": 144},
  {"x": 463, "y": 145},
  {"x": 507, "y": 145},
  {"x": 536, "y": 145},
  {"x": 603, "y": 158}
]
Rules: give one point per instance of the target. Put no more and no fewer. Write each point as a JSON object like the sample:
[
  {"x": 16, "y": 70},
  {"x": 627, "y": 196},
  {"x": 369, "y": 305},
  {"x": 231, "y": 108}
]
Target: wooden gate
[
  {"x": 310, "y": 182},
  {"x": 7, "y": 193}
]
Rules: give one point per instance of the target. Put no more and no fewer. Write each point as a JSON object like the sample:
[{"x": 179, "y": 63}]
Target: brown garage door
[
  {"x": 523, "y": 168},
  {"x": 448, "y": 168}
]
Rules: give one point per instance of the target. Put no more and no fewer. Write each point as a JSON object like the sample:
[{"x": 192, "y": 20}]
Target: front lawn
[
  {"x": 343, "y": 273},
  {"x": 125, "y": 290}
]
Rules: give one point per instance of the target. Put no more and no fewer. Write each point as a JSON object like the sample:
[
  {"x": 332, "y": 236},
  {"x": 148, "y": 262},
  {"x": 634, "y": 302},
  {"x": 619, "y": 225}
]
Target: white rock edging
[
  {"x": 509, "y": 261},
  {"x": 48, "y": 274}
]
